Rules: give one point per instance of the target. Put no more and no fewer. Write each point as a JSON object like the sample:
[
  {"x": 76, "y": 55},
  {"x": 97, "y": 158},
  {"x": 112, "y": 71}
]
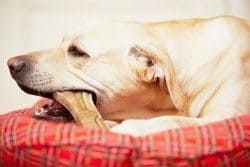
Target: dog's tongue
[{"x": 81, "y": 107}]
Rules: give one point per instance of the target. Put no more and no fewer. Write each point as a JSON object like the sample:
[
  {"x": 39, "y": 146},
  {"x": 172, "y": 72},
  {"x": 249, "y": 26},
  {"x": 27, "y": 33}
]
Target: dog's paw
[
  {"x": 136, "y": 127},
  {"x": 128, "y": 127}
]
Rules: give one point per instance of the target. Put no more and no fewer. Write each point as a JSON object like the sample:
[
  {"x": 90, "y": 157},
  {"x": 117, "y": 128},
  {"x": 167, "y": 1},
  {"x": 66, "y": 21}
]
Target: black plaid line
[
  {"x": 178, "y": 142},
  {"x": 82, "y": 152},
  {"x": 201, "y": 136},
  {"x": 59, "y": 135},
  {"x": 239, "y": 128},
  {"x": 171, "y": 148},
  {"x": 12, "y": 132},
  {"x": 136, "y": 151},
  {"x": 209, "y": 138},
  {"x": 30, "y": 132},
  {"x": 166, "y": 137},
  {"x": 4, "y": 135},
  {"x": 230, "y": 131},
  {"x": 148, "y": 146},
  {"x": 44, "y": 159},
  {"x": 76, "y": 152}
]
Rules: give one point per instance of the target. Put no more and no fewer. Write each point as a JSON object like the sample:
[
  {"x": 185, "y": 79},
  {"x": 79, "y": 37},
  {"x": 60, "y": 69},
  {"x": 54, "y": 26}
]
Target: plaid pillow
[{"x": 25, "y": 141}]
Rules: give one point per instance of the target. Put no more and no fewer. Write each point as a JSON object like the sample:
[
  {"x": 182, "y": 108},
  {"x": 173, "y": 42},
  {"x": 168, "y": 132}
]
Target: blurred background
[{"x": 28, "y": 25}]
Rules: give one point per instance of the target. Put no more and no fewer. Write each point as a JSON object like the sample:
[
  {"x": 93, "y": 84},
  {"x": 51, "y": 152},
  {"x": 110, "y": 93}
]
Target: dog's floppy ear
[
  {"x": 150, "y": 69},
  {"x": 146, "y": 66}
]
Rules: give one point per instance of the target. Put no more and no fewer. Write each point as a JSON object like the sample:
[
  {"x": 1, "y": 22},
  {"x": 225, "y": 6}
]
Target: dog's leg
[{"x": 138, "y": 127}]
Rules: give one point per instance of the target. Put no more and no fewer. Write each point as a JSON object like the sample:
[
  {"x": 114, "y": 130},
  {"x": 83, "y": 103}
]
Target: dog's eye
[{"x": 74, "y": 51}]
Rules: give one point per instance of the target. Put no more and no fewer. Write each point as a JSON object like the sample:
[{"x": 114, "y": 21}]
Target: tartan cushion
[{"x": 25, "y": 141}]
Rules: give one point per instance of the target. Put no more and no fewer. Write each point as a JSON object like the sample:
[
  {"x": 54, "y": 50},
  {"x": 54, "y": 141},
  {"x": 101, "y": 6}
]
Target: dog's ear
[
  {"x": 150, "y": 69},
  {"x": 147, "y": 67}
]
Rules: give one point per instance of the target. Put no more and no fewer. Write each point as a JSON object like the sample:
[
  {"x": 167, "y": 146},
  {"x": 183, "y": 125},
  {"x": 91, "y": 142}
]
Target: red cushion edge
[{"x": 216, "y": 139}]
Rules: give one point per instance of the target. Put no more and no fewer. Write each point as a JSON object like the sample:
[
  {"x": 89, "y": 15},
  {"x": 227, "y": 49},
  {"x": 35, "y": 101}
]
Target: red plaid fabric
[{"x": 25, "y": 141}]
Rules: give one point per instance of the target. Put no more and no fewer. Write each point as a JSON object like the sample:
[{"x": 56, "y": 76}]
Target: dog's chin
[{"x": 55, "y": 111}]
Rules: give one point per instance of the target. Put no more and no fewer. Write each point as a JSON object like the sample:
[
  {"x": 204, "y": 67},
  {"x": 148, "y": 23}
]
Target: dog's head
[{"x": 121, "y": 63}]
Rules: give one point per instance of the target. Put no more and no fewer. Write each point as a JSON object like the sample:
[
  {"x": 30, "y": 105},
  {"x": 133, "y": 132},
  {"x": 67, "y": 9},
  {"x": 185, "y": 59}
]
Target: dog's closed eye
[{"x": 75, "y": 51}]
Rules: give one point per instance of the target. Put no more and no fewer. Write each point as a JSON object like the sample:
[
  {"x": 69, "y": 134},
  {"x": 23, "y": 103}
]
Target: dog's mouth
[
  {"x": 64, "y": 106},
  {"x": 54, "y": 111},
  {"x": 60, "y": 109}
]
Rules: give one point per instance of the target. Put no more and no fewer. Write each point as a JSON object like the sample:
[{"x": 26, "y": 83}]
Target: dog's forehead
[
  {"x": 101, "y": 36},
  {"x": 102, "y": 28}
]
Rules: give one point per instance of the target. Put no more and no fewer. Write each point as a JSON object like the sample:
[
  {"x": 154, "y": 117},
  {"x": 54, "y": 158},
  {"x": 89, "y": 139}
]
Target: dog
[{"x": 149, "y": 76}]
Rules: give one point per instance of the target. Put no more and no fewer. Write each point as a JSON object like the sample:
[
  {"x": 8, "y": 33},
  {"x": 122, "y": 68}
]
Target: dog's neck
[{"x": 146, "y": 105}]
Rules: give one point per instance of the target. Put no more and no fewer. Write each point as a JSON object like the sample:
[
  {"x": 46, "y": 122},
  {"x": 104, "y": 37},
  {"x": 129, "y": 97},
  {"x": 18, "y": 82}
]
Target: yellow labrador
[{"x": 151, "y": 76}]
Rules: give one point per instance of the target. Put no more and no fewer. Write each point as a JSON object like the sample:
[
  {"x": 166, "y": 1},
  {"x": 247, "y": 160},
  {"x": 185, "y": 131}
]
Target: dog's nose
[{"x": 15, "y": 64}]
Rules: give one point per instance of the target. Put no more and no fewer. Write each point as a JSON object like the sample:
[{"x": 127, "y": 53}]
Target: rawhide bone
[{"x": 81, "y": 107}]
